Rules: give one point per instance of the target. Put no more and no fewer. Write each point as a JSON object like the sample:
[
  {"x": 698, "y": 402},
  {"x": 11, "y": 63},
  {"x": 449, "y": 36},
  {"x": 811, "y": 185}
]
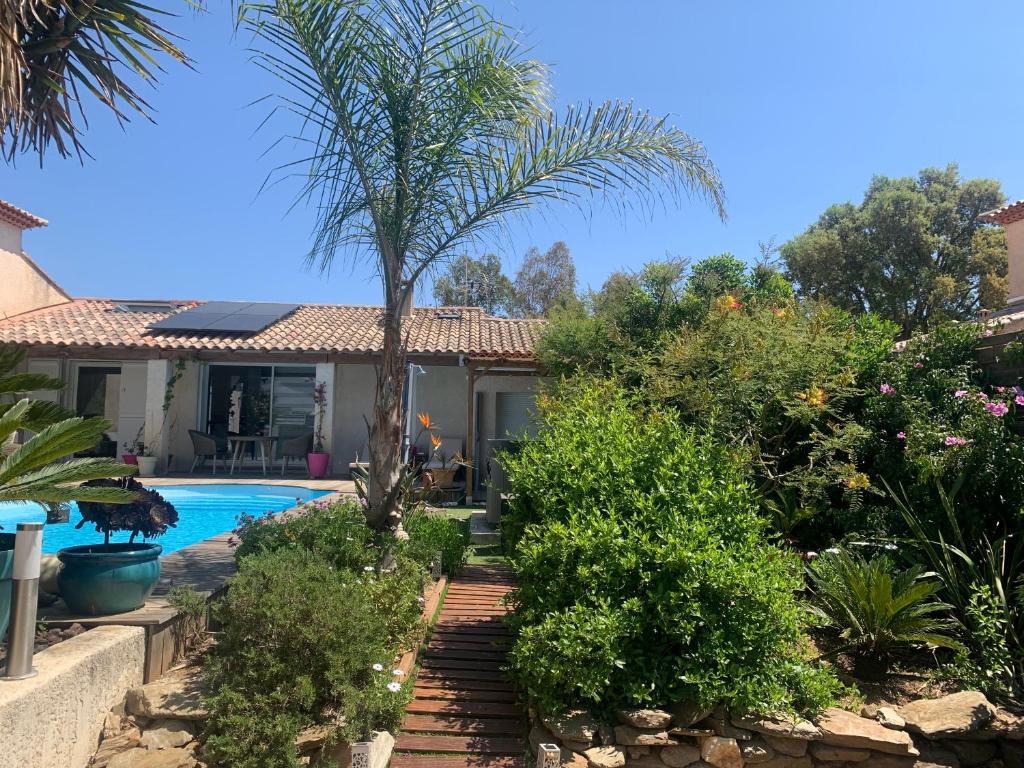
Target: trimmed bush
[
  {"x": 299, "y": 643},
  {"x": 430, "y": 534},
  {"x": 644, "y": 574}
]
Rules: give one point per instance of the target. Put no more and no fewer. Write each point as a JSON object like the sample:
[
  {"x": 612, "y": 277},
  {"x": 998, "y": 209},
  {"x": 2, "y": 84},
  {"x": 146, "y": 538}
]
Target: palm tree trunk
[{"x": 385, "y": 443}]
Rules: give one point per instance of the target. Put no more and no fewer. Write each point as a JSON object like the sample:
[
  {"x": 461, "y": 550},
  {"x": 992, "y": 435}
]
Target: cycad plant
[
  {"x": 40, "y": 469},
  {"x": 15, "y": 385},
  {"x": 424, "y": 127},
  {"x": 876, "y": 608}
]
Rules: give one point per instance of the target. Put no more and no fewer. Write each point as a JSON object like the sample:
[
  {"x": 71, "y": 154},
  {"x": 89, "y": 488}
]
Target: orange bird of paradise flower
[
  {"x": 424, "y": 419},
  {"x": 435, "y": 441}
]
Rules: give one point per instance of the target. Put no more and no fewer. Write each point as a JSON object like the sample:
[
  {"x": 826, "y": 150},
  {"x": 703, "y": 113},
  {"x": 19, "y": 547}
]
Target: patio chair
[
  {"x": 295, "y": 448},
  {"x": 204, "y": 446}
]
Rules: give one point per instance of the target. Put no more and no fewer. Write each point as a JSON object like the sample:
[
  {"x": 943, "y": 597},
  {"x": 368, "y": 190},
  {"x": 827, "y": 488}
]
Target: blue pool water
[{"x": 203, "y": 511}]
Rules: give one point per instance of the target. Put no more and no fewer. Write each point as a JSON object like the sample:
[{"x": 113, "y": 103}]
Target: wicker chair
[
  {"x": 295, "y": 448},
  {"x": 205, "y": 447}
]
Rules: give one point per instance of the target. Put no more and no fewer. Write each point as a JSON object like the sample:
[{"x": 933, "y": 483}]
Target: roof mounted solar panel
[{"x": 226, "y": 317}]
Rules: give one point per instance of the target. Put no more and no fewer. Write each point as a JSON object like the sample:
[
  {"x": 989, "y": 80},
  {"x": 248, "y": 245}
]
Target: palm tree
[
  {"x": 53, "y": 53},
  {"x": 39, "y": 470},
  {"x": 427, "y": 127}
]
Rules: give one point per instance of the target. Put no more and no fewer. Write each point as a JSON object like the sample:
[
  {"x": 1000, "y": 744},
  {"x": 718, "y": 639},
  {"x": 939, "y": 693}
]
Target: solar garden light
[
  {"x": 549, "y": 756},
  {"x": 28, "y": 553},
  {"x": 361, "y": 754}
]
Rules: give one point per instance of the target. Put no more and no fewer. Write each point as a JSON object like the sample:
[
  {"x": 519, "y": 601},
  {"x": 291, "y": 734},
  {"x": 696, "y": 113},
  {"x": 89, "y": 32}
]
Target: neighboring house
[{"x": 474, "y": 374}]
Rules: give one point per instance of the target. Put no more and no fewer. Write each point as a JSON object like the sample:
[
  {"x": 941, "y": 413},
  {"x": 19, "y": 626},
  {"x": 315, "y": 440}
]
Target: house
[{"x": 157, "y": 369}]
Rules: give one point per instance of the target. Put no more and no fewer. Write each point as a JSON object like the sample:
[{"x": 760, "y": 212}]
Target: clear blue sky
[{"x": 799, "y": 103}]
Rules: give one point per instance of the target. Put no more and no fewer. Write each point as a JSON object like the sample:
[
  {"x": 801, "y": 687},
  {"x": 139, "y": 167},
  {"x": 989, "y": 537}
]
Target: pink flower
[
  {"x": 887, "y": 389},
  {"x": 901, "y": 435},
  {"x": 1000, "y": 390},
  {"x": 951, "y": 440},
  {"x": 988, "y": 332},
  {"x": 982, "y": 396},
  {"x": 919, "y": 364},
  {"x": 997, "y": 408},
  {"x": 1019, "y": 400},
  {"x": 960, "y": 393}
]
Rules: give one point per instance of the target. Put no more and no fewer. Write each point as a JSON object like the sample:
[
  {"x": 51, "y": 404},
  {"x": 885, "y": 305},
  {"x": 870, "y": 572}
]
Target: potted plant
[
  {"x": 100, "y": 579},
  {"x": 318, "y": 460},
  {"x": 443, "y": 475},
  {"x": 131, "y": 449}
]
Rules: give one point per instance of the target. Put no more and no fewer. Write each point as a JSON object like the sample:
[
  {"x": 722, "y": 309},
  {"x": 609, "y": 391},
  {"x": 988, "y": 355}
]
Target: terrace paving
[{"x": 464, "y": 713}]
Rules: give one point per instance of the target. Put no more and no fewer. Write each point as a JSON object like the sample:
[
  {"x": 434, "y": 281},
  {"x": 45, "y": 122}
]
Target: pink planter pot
[
  {"x": 318, "y": 463},
  {"x": 130, "y": 458}
]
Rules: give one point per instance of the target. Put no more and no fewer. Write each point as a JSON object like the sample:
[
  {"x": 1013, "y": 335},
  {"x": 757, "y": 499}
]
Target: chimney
[
  {"x": 405, "y": 310},
  {"x": 25, "y": 286}
]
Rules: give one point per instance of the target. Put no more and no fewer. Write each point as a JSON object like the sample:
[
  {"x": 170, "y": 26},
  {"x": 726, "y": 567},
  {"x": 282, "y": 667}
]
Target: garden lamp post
[{"x": 28, "y": 550}]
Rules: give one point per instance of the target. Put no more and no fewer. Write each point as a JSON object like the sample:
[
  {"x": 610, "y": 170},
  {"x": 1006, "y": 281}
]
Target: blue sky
[{"x": 799, "y": 104}]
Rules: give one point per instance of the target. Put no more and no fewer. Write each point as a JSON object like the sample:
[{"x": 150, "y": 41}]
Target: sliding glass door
[{"x": 273, "y": 400}]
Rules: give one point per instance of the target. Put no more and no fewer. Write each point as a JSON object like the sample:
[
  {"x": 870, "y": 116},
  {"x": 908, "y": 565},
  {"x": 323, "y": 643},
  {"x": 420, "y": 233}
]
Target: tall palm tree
[
  {"x": 427, "y": 127},
  {"x": 56, "y": 53}
]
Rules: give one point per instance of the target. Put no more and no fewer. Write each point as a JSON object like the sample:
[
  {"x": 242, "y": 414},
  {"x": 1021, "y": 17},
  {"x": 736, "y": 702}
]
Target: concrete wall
[
  {"x": 183, "y": 416},
  {"x": 441, "y": 392},
  {"x": 353, "y": 400},
  {"x": 24, "y": 286},
  {"x": 54, "y": 720},
  {"x": 488, "y": 388}
]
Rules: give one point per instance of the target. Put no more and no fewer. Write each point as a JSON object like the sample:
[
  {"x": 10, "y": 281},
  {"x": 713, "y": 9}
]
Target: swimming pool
[{"x": 203, "y": 511}]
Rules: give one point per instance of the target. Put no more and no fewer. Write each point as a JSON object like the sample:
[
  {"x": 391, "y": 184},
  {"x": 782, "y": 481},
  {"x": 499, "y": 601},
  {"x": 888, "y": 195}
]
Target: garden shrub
[
  {"x": 644, "y": 576},
  {"x": 336, "y": 530},
  {"x": 433, "y": 533},
  {"x": 786, "y": 383},
  {"x": 302, "y": 642}
]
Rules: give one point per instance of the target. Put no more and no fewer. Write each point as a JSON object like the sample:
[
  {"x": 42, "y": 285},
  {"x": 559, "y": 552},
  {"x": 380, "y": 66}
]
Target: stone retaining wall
[
  {"x": 54, "y": 720},
  {"x": 960, "y": 730}
]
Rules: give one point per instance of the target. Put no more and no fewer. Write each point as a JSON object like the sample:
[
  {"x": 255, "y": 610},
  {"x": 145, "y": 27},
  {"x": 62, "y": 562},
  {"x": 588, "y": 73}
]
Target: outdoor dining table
[{"x": 265, "y": 443}]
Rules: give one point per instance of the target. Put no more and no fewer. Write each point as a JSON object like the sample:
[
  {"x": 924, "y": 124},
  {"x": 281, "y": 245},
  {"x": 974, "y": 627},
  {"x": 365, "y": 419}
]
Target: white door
[{"x": 131, "y": 414}]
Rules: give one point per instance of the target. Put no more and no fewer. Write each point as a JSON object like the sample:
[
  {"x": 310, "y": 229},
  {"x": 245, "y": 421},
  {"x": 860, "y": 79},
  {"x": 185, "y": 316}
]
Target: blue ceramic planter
[
  {"x": 6, "y": 566},
  {"x": 100, "y": 579}
]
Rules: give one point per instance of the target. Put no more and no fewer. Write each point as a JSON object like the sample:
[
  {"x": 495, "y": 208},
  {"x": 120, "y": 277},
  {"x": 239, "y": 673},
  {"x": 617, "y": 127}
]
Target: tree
[
  {"x": 545, "y": 280},
  {"x": 427, "y": 127},
  {"x": 913, "y": 251},
  {"x": 53, "y": 52},
  {"x": 470, "y": 282}
]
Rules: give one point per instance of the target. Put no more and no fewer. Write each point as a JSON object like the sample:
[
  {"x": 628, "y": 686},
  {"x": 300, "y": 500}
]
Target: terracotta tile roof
[
  {"x": 19, "y": 217},
  {"x": 319, "y": 328},
  {"x": 1006, "y": 215}
]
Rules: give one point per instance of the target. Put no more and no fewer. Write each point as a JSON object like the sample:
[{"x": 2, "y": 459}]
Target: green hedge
[{"x": 644, "y": 575}]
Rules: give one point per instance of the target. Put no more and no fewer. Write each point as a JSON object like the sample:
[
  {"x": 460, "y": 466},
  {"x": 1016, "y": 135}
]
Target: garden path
[{"x": 464, "y": 712}]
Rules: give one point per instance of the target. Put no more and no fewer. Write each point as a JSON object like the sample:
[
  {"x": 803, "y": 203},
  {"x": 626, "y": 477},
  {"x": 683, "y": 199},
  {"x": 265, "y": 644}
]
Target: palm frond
[{"x": 54, "y": 53}]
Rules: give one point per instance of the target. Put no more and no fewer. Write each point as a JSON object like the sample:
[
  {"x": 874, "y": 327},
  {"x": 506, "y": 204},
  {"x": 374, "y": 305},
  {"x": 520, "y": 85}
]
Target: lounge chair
[
  {"x": 205, "y": 447},
  {"x": 296, "y": 448}
]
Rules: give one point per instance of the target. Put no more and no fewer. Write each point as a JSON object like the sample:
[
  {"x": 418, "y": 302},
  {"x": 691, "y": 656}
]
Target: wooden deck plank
[
  {"x": 413, "y": 760},
  {"x": 460, "y": 725},
  {"x": 477, "y": 745}
]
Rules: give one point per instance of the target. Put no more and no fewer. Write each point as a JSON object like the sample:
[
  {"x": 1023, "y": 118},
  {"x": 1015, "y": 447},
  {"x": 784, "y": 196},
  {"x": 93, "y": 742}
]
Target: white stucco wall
[
  {"x": 54, "y": 720},
  {"x": 23, "y": 287},
  {"x": 441, "y": 392},
  {"x": 353, "y": 401},
  {"x": 183, "y": 416}
]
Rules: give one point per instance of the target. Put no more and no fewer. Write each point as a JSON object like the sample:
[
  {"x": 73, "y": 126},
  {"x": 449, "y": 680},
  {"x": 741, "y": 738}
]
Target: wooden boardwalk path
[{"x": 464, "y": 713}]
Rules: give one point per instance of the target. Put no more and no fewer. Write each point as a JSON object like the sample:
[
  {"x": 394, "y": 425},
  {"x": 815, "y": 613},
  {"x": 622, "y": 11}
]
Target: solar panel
[{"x": 226, "y": 316}]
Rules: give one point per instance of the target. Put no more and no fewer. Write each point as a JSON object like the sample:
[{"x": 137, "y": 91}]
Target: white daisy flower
[
  {"x": 397, "y": 673},
  {"x": 378, "y": 667},
  {"x": 394, "y": 687}
]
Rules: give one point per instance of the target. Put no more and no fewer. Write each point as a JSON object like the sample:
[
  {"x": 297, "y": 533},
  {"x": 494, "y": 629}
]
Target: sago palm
[
  {"x": 57, "y": 54},
  {"x": 426, "y": 126},
  {"x": 876, "y": 609},
  {"x": 15, "y": 385},
  {"x": 40, "y": 470}
]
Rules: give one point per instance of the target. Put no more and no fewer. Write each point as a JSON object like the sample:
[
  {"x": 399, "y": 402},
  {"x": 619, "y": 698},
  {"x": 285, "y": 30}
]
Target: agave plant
[
  {"x": 876, "y": 608},
  {"x": 40, "y": 469}
]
